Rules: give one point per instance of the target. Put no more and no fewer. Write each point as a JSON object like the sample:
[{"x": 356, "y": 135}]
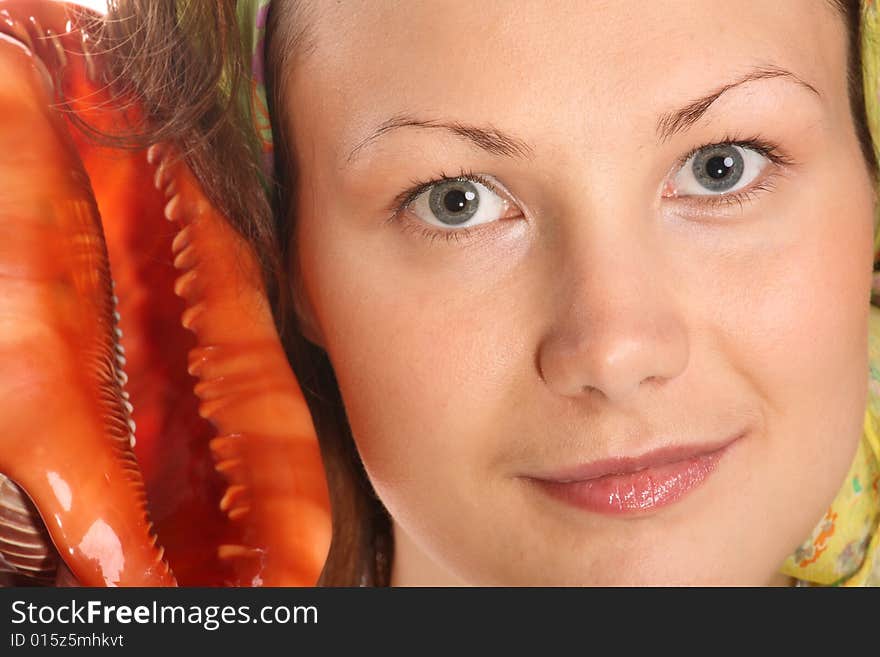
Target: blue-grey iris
[
  {"x": 718, "y": 168},
  {"x": 453, "y": 202}
]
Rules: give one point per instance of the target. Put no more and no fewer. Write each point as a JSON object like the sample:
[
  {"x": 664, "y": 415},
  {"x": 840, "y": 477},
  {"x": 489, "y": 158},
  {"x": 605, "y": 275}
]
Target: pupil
[
  {"x": 455, "y": 200},
  {"x": 718, "y": 167}
]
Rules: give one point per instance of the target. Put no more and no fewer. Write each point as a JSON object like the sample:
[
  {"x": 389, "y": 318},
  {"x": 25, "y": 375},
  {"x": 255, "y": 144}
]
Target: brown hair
[
  {"x": 361, "y": 548},
  {"x": 172, "y": 57},
  {"x": 182, "y": 61}
]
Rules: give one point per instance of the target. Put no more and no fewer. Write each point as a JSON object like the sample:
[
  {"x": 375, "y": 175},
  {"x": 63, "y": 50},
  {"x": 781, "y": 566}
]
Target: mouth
[{"x": 634, "y": 485}]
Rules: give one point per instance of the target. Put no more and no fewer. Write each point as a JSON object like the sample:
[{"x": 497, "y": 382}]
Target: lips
[{"x": 633, "y": 485}]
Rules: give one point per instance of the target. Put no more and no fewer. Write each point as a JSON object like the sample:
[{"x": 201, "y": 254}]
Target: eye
[
  {"x": 719, "y": 169},
  {"x": 458, "y": 203}
]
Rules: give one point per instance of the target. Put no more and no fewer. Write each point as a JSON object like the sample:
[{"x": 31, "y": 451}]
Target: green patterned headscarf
[
  {"x": 252, "y": 15},
  {"x": 844, "y": 547},
  {"x": 871, "y": 80}
]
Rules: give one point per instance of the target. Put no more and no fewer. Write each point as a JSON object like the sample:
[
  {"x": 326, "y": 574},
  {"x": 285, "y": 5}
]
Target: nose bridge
[{"x": 617, "y": 323}]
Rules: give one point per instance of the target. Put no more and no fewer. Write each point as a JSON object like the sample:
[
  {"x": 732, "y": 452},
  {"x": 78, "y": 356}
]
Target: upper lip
[{"x": 628, "y": 464}]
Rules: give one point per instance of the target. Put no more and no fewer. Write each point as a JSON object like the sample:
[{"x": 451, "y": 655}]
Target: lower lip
[{"x": 635, "y": 492}]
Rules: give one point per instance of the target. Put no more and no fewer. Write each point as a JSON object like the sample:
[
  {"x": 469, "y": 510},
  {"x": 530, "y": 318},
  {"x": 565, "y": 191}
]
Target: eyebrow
[
  {"x": 497, "y": 142},
  {"x": 488, "y": 138},
  {"x": 679, "y": 120}
]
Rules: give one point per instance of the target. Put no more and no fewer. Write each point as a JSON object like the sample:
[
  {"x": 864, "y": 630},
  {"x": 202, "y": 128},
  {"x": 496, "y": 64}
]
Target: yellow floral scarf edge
[{"x": 844, "y": 547}]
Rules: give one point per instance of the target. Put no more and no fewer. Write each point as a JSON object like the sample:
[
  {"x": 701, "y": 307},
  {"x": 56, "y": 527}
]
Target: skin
[{"x": 606, "y": 313}]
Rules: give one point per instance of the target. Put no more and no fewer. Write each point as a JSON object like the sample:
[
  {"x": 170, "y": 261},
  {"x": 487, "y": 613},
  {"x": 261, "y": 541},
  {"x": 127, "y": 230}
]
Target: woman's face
[{"x": 601, "y": 361}]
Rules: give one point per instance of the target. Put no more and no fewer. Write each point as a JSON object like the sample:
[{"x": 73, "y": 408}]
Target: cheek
[
  {"x": 418, "y": 349},
  {"x": 805, "y": 300},
  {"x": 433, "y": 369},
  {"x": 796, "y": 328}
]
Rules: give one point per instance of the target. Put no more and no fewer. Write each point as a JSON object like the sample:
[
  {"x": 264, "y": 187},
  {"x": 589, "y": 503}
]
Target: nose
[{"x": 617, "y": 322}]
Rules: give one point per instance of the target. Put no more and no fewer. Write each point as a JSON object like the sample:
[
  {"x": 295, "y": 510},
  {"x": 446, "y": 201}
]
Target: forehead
[{"x": 595, "y": 67}]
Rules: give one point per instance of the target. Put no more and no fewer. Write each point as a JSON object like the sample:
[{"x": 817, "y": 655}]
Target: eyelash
[
  {"x": 766, "y": 148},
  {"x": 402, "y": 201}
]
